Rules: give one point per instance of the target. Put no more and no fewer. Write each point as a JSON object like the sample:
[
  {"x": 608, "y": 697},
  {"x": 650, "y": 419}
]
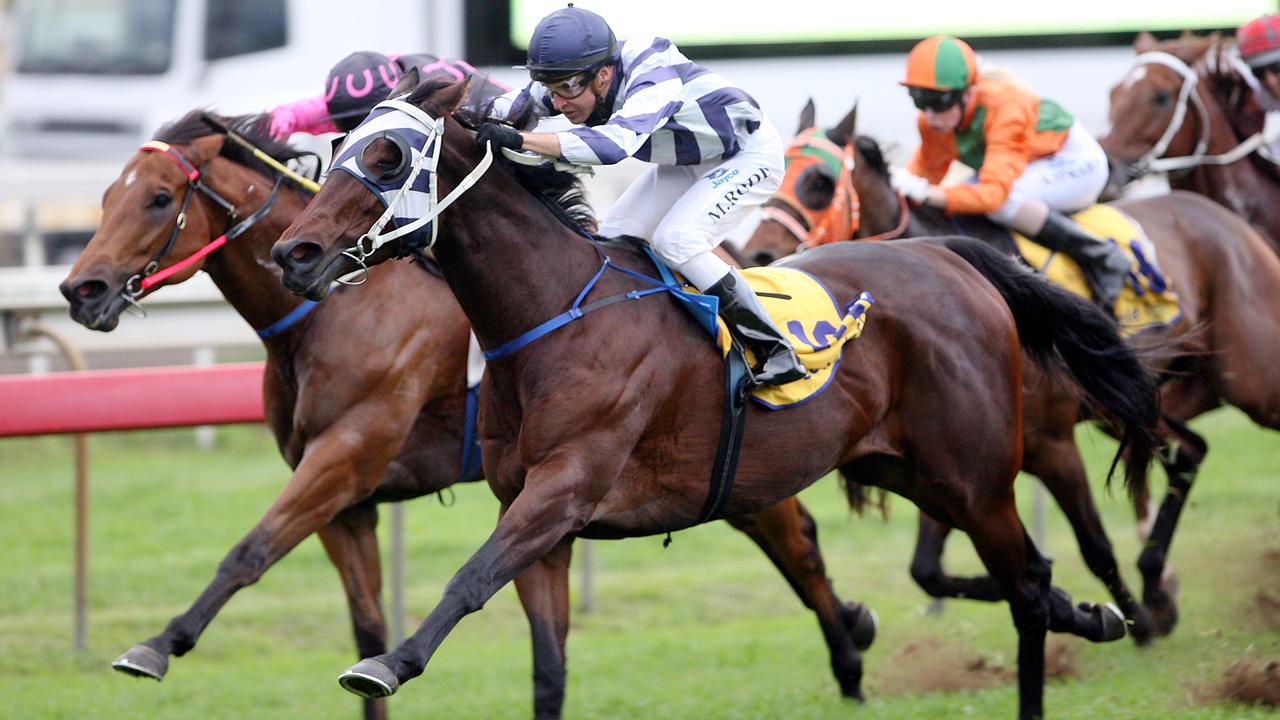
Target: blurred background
[{"x": 84, "y": 82}]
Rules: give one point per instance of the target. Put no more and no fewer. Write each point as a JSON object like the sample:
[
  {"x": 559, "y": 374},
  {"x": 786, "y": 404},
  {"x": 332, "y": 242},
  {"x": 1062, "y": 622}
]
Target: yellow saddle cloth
[
  {"x": 813, "y": 320},
  {"x": 1146, "y": 298}
]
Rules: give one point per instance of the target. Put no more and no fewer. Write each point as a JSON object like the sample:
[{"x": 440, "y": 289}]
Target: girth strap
[{"x": 733, "y": 426}]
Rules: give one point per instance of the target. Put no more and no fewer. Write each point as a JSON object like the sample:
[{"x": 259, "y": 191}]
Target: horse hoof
[
  {"x": 142, "y": 661},
  {"x": 369, "y": 678},
  {"x": 1112, "y": 620},
  {"x": 862, "y": 623},
  {"x": 1165, "y": 615},
  {"x": 1142, "y": 627}
]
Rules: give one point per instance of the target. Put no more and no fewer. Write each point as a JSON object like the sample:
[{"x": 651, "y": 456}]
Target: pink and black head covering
[{"x": 357, "y": 83}]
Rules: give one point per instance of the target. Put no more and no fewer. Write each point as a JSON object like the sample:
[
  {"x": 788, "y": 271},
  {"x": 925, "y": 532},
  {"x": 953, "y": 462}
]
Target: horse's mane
[
  {"x": 560, "y": 191},
  {"x": 254, "y": 128},
  {"x": 872, "y": 155}
]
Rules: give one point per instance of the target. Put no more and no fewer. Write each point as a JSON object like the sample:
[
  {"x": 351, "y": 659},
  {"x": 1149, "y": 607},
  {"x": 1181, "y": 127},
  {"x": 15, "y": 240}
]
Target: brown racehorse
[
  {"x": 815, "y": 206},
  {"x": 1227, "y": 280},
  {"x": 606, "y": 427},
  {"x": 1192, "y": 91},
  {"x": 322, "y": 389}
]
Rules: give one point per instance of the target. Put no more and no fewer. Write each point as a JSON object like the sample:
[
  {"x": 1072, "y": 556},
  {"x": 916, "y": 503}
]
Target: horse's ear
[
  {"x": 201, "y": 150},
  {"x": 410, "y": 80},
  {"x": 843, "y": 132},
  {"x": 1145, "y": 42},
  {"x": 448, "y": 98},
  {"x": 808, "y": 117}
]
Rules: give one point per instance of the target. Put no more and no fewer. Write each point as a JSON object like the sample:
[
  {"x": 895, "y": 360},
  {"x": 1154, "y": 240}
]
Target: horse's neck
[
  {"x": 879, "y": 209},
  {"x": 1243, "y": 186},
  {"x": 928, "y": 220},
  {"x": 510, "y": 262},
  {"x": 243, "y": 269}
]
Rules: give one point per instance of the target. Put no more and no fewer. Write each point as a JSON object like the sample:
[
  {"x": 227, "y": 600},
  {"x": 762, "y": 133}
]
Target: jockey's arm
[{"x": 542, "y": 143}]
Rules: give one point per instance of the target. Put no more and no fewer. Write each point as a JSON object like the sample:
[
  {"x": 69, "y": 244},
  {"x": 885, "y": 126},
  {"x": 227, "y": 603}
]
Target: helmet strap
[{"x": 600, "y": 115}]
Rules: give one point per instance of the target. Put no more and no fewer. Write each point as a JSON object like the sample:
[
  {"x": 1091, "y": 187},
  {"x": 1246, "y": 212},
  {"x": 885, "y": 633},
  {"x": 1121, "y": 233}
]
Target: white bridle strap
[{"x": 1154, "y": 160}]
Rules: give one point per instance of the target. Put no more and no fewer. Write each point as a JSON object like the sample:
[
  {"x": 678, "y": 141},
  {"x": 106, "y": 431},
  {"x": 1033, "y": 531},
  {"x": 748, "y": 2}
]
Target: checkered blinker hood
[{"x": 413, "y": 139}]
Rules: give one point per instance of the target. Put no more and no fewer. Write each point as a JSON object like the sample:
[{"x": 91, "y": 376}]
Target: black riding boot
[
  {"x": 777, "y": 363},
  {"x": 1105, "y": 266}
]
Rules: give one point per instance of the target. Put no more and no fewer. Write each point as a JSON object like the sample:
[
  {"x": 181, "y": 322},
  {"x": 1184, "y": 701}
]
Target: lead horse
[
  {"x": 606, "y": 428},
  {"x": 1179, "y": 110},
  {"x": 1227, "y": 280},
  {"x": 360, "y": 423}
]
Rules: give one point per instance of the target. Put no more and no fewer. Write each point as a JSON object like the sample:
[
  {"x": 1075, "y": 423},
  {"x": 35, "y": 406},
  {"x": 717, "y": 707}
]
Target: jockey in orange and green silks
[{"x": 1034, "y": 162}]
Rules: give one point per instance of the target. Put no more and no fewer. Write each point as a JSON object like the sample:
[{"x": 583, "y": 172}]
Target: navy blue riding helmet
[{"x": 570, "y": 41}]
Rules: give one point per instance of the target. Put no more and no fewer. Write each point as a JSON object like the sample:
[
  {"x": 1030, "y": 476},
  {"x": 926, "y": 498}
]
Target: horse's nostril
[
  {"x": 762, "y": 258},
  {"x": 302, "y": 252},
  {"x": 90, "y": 290}
]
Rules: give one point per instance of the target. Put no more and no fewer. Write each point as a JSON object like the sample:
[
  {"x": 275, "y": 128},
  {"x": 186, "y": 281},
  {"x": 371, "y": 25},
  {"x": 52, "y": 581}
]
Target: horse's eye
[
  {"x": 1162, "y": 98},
  {"x": 161, "y": 200}
]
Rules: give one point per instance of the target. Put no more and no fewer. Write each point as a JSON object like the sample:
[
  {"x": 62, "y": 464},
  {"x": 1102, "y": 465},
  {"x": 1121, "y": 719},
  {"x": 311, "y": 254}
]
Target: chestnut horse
[
  {"x": 1227, "y": 280},
  {"x": 606, "y": 427},
  {"x": 1181, "y": 109},
  {"x": 321, "y": 389}
]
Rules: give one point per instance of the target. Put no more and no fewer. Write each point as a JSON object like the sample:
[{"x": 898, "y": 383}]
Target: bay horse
[
  {"x": 1227, "y": 280},
  {"x": 1185, "y": 108},
  {"x": 606, "y": 427},
  {"x": 358, "y": 425}
]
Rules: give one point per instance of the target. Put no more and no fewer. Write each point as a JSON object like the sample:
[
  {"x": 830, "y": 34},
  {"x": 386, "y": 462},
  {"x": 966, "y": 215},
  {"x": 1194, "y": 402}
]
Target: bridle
[
  {"x": 152, "y": 274},
  {"x": 1154, "y": 160},
  {"x": 418, "y": 207},
  {"x": 811, "y": 152}
]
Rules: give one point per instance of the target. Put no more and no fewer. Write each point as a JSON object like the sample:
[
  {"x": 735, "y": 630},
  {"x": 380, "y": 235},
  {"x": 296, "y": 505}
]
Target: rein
[
  {"x": 1154, "y": 160},
  {"x": 811, "y": 152}
]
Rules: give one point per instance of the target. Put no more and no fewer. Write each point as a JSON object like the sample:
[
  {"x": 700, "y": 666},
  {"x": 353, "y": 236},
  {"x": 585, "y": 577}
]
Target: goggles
[
  {"x": 570, "y": 87},
  {"x": 935, "y": 100},
  {"x": 1261, "y": 71}
]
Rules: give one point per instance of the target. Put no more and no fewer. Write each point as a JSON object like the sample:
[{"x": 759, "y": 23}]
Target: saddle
[{"x": 1146, "y": 299}]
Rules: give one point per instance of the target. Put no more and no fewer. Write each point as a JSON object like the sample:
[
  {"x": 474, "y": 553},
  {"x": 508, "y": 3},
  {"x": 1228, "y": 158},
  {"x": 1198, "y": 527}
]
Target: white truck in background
[{"x": 92, "y": 79}]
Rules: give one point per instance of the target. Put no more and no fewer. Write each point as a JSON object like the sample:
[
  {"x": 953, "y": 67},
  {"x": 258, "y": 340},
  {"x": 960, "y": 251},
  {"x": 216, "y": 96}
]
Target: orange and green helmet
[{"x": 941, "y": 63}]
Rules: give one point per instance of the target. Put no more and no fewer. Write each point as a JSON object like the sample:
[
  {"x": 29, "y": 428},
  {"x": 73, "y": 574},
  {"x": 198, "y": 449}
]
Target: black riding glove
[{"x": 503, "y": 136}]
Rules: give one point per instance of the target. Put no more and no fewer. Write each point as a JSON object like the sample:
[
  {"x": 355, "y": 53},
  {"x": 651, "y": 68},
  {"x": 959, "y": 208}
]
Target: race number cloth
[
  {"x": 813, "y": 320},
  {"x": 1146, "y": 298}
]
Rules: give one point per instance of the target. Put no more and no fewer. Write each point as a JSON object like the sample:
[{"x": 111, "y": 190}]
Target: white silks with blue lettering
[{"x": 408, "y": 192}]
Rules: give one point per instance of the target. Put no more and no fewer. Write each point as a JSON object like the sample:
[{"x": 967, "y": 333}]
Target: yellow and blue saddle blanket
[
  {"x": 817, "y": 325},
  {"x": 1146, "y": 300}
]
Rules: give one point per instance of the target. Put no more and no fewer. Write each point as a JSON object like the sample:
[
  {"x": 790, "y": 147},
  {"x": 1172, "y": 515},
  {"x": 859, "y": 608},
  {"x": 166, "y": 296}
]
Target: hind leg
[
  {"x": 927, "y": 571},
  {"x": 1183, "y": 452},
  {"x": 1057, "y": 462},
  {"x": 789, "y": 537},
  {"x": 1024, "y": 574}
]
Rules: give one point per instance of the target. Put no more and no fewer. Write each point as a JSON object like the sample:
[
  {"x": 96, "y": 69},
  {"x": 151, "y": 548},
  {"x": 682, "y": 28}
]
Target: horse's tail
[{"x": 1053, "y": 323}]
